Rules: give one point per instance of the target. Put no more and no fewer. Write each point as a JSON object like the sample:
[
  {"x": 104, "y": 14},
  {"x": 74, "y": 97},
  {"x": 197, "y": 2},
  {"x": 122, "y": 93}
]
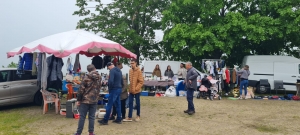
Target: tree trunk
[{"x": 137, "y": 52}]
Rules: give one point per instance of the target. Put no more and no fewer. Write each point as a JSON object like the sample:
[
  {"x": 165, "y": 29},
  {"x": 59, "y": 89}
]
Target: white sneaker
[
  {"x": 137, "y": 118},
  {"x": 127, "y": 120},
  {"x": 240, "y": 98}
]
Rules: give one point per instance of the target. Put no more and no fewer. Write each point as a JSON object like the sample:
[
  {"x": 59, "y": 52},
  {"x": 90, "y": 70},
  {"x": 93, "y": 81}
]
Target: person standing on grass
[
  {"x": 190, "y": 86},
  {"x": 136, "y": 83},
  {"x": 87, "y": 98},
  {"x": 115, "y": 84},
  {"x": 181, "y": 72},
  {"x": 227, "y": 80},
  {"x": 244, "y": 81},
  {"x": 123, "y": 97}
]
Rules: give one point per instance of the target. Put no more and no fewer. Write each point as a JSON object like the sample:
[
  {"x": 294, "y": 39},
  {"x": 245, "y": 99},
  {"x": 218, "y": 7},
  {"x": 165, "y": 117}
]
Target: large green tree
[
  {"x": 128, "y": 22},
  {"x": 208, "y": 28}
]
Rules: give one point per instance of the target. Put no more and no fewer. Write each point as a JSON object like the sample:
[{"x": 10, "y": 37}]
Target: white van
[
  {"x": 175, "y": 65},
  {"x": 271, "y": 67}
]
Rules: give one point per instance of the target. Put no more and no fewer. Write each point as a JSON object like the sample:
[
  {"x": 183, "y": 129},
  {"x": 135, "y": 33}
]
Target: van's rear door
[{"x": 288, "y": 72}]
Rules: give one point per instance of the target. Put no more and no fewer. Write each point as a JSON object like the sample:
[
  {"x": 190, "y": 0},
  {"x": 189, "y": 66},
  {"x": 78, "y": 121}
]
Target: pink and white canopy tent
[{"x": 74, "y": 42}]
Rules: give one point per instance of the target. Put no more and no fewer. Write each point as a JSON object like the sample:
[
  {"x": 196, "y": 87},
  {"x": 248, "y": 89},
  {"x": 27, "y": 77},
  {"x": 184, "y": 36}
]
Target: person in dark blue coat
[{"x": 115, "y": 84}]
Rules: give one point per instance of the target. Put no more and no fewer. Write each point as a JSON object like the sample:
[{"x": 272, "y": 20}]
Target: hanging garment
[
  {"x": 97, "y": 62},
  {"x": 34, "y": 69},
  {"x": 217, "y": 65},
  {"x": 234, "y": 76},
  {"x": 76, "y": 64},
  {"x": 215, "y": 68},
  {"x": 207, "y": 63},
  {"x": 19, "y": 63},
  {"x": 202, "y": 65},
  {"x": 39, "y": 67},
  {"x": 115, "y": 60},
  {"x": 211, "y": 68},
  {"x": 79, "y": 68},
  {"x": 224, "y": 74},
  {"x": 106, "y": 60},
  {"x": 36, "y": 61},
  {"x": 222, "y": 63},
  {"x": 27, "y": 58},
  {"x": 44, "y": 70},
  {"x": 227, "y": 74},
  {"x": 20, "y": 68},
  {"x": 69, "y": 65},
  {"x": 54, "y": 68}
]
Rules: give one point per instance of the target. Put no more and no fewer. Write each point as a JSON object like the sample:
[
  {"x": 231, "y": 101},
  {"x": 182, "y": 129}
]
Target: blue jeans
[
  {"x": 189, "y": 98},
  {"x": 243, "y": 84},
  {"x": 83, "y": 109},
  {"x": 114, "y": 99},
  {"x": 137, "y": 102}
]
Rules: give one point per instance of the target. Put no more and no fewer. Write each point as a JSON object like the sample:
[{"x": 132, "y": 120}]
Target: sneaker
[
  {"x": 240, "y": 98},
  {"x": 137, "y": 118},
  {"x": 186, "y": 111},
  {"x": 127, "y": 120},
  {"x": 103, "y": 122},
  {"x": 117, "y": 121},
  {"x": 91, "y": 133},
  {"x": 76, "y": 134},
  {"x": 112, "y": 118},
  {"x": 191, "y": 112}
]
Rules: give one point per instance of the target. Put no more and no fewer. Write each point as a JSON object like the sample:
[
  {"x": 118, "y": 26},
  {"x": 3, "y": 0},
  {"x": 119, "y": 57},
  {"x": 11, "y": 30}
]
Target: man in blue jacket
[{"x": 115, "y": 84}]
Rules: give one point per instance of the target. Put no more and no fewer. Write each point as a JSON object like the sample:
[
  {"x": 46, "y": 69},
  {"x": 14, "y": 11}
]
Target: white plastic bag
[
  {"x": 196, "y": 93},
  {"x": 170, "y": 92}
]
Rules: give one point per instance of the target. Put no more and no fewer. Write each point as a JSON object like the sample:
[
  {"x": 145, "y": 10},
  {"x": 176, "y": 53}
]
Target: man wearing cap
[{"x": 115, "y": 84}]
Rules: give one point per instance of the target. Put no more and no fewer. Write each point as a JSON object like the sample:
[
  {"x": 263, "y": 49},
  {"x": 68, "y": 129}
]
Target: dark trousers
[
  {"x": 244, "y": 85},
  {"x": 180, "y": 79},
  {"x": 226, "y": 86},
  {"x": 83, "y": 109},
  {"x": 123, "y": 109},
  {"x": 113, "y": 100},
  {"x": 137, "y": 102},
  {"x": 189, "y": 97}
]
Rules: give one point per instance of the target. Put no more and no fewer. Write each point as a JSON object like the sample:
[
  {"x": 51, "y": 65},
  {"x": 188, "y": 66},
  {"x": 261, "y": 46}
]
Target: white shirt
[{"x": 182, "y": 73}]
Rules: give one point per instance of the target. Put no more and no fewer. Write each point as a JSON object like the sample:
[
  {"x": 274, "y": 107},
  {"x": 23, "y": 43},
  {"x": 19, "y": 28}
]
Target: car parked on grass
[{"x": 18, "y": 88}]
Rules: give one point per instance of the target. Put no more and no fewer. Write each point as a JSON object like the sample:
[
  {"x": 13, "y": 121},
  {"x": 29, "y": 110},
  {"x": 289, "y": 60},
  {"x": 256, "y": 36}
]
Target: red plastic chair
[{"x": 71, "y": 93}]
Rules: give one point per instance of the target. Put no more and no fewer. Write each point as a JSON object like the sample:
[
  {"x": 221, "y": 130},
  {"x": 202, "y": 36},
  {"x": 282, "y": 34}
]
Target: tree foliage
[
  {"x": 208, "y": 28},
  {"x": 128, "y": 22},
  {"x": 11, "y": 65}
]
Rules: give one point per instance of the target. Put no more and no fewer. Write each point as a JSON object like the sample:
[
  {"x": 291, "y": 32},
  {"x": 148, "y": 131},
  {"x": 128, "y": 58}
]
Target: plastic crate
[
  {"x": 144, "y": 93},
  {"x": 182, "y": 93},
  {"x": 64, "y": 87},
  {"x": 151, "y": 94}
]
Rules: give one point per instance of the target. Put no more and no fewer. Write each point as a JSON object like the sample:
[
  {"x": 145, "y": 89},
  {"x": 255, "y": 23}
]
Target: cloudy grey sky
[{"x": 25, "y": 21}]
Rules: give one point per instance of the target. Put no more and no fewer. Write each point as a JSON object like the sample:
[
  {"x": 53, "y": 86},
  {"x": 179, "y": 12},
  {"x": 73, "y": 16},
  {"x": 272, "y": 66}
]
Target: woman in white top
[{"x": 181, "y": 72}]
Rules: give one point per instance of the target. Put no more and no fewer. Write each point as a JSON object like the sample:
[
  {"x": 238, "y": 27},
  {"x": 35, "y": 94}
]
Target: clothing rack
[{"x": 211, "y": 60}]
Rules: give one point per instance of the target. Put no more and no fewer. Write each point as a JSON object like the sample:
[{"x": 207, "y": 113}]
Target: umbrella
[{"x": 74, "y": 42}]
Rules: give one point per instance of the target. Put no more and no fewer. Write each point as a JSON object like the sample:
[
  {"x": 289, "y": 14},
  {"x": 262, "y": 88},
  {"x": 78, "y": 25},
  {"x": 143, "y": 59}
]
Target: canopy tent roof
[{"x": 73, "y": 42}]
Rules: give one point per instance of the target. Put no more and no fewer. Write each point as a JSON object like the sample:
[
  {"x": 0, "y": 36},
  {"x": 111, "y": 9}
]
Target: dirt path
[{"x": 164, "y": 116}]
